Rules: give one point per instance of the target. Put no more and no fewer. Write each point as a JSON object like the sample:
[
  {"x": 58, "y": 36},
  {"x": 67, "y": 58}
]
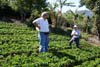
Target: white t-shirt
[
  {"x": 76, "y": 32},
  {"x": 44, "y": 25}
]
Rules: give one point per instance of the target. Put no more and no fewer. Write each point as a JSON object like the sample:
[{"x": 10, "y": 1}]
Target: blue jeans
[
  {"x": 76, "y": 40},
  {"x": 44, "y": 41}
]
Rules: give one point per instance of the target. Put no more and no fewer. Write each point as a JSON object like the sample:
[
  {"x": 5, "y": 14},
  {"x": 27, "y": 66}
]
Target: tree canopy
[
  {"x": 23, "y": 7},
  {"x": 91, "y": 4}
]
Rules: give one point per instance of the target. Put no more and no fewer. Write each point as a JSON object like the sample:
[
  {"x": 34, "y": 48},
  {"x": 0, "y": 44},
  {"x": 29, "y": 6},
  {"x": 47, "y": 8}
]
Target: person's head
[
  {"x": 75, "y": 27},
  {"x": 45, "y": 15}
]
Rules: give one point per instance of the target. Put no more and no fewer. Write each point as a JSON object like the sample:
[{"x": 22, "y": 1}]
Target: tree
[
  {"x": 24, "y": 6},
  {"x": 94, "y": 5},
  {"x": 62, "y": 3},
  {"x": 52, "y": 7},
  {"x": 91, "y": 4}
]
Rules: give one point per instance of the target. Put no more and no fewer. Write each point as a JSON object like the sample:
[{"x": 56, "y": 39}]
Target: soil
[{"x": 94, "y": 40}]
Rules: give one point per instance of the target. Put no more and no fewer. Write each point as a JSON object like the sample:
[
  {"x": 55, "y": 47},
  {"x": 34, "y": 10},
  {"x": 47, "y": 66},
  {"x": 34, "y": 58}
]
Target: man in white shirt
[
  {"x": 42, "y": 26},
  {"x": 75, "y": 36}
]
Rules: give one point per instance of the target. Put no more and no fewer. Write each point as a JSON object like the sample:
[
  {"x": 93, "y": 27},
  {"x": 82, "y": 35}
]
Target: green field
[{"x": 19, "y": 48}]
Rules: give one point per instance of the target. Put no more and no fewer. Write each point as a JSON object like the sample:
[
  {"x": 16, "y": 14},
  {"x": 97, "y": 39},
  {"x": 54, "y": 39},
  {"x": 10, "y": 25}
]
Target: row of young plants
[
  {"x": 21, "y": 50},
  {"x": 36, "y": 60},
  {"x": 92, "y": 63},
  {"x": 15, "y": 31},
  {"x": 52, "y": 59},
  {"x": 81, "y": 55}
]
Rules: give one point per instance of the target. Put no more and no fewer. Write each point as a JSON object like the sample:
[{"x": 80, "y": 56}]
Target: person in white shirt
[
  {"x": 75, "y": 36},
  {"x": 42, "y": 26}
]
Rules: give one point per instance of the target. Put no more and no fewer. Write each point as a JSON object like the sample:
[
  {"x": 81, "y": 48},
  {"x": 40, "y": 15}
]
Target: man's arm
[
  {"x": 73, "y": 33},
  {"x": 37, "y": 26}
]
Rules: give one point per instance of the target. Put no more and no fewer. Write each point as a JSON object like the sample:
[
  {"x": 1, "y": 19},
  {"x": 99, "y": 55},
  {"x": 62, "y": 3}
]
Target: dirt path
[
  {"x": 94, "y": 41},
  {"x": 16, "y": 21}
]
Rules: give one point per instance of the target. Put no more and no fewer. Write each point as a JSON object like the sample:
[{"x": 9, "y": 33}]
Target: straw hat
[
  {"x": 75, "y": 26},
  {"x": 44, "y": 13}
]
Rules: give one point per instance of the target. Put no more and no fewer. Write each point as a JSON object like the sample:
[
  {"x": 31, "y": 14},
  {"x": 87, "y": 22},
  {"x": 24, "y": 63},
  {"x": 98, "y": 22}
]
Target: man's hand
[{"x": 37, "y": 28}]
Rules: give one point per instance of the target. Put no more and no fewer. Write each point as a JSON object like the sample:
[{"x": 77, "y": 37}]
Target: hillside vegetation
[{"x": 19, "y": 48}]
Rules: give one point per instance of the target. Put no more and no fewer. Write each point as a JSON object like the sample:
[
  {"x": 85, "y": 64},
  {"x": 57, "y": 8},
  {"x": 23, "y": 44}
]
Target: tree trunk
[
  {"x": 98, "y": 26},
  {"x": 98, "y": 29},
  {"x": 23, "y": 14}
]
